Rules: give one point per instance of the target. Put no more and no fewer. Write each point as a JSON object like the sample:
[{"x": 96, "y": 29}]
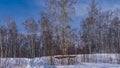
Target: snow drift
[{"x": 44, "y": 62}]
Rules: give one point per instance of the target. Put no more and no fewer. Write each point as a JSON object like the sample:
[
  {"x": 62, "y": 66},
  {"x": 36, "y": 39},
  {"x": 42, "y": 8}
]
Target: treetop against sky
[{"x": 21, "y": 10}]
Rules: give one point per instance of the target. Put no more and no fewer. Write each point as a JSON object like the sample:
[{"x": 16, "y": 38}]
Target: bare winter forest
[{"x": 52, "y": 34}]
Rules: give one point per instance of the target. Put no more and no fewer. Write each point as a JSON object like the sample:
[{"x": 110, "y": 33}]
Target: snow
[
  {"x": 14, "y": 62},
  {"x": 82, "y": 61},
  {"x": 99, "y": 58},
  {"x": 86, "y": 65},
  {"x": 37, "y": 62}
]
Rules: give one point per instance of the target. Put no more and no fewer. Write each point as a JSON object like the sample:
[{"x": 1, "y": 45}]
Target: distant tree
[
  {"x": 31, "y": 28},
  {"x": 66, "y": 11},
  {"x": 1, "y": 43},
  {"x": 47, "y": 35},
  {"x": 11, "y": 37},
  {"x": 89, "y": 27}
]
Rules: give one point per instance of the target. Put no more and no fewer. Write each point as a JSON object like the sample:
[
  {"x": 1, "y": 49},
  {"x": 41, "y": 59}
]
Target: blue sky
[{"x": 21, "y": 10}]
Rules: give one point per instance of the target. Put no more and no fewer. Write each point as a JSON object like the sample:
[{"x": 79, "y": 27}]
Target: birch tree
[{"x": 31, "y": 28}]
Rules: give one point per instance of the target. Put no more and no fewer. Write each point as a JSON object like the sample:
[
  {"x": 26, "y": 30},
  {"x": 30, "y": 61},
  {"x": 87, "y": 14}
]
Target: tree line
[{"x": 53, "y": 34}]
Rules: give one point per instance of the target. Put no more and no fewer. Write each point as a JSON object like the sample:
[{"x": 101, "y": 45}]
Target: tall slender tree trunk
[
  {"x": 32, "y": 44},
  {"x": 1, "y": 52}
]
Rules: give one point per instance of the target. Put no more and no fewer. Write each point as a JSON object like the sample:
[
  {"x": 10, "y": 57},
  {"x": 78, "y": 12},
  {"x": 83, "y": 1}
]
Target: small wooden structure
[{"x": 67, "y": 59}]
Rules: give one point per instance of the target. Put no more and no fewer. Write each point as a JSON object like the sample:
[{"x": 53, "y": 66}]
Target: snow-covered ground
[
  {"x": 85, "y": 65},
  {"x": 81, "y": 61}
]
